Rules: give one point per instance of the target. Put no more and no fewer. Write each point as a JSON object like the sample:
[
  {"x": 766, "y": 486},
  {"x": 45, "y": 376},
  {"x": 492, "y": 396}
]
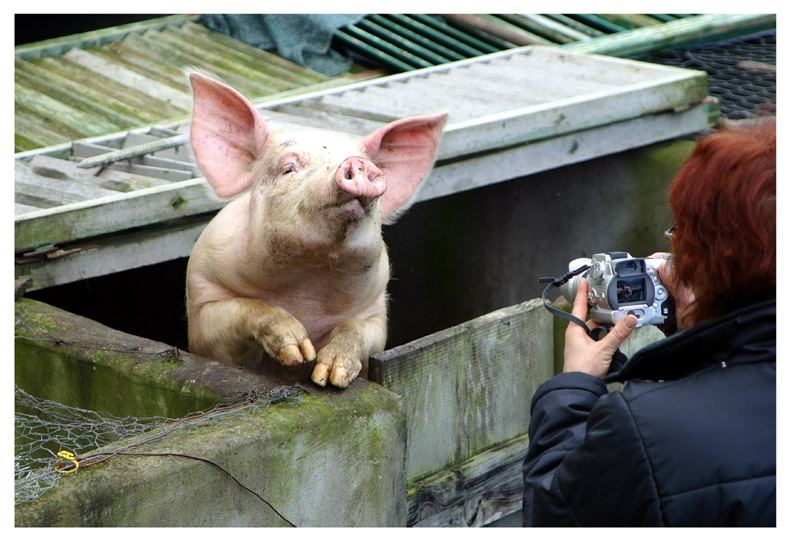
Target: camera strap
[
  {"x": 619, "y": 358},
  {"x": 557, "y": 282}
]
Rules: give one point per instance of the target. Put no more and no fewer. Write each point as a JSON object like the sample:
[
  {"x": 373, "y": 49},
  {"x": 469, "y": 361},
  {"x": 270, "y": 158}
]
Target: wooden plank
[
  {"x": 571, "y": 148},
  {"x": 412, "y": 99},
  {"x": 296, "y": 115},
  {"x": 178, "y": 99},
  {"x": 264, "y": 57},
  {"x": 75, "y": 222},
  {"x": 183, "y": 60},
  {"x": 674, "y": 33},
  {"x": 180, "y": 150},
  {"x": 487, "y": 86},
  {"x": 32, "y": 131},
  {"x": 474, "y": 493},
  {"x": 511, "y": 128},
  {"x": 60, "y": 45},
  {"x": 550, "y": 24},
  {"x": 173, "y": 175},
  {"x": 34, "y": 194},
  {"x": 468, "y": 388},
  {"x": 569, "y": 115},
  {"x": 149, "y": 70},
  {"x": 81, "y": 122},
  {"x": 107, "y": 178},
  {"x": 167, "y": 163},
  {"x": 499, "y": 28},
  {"x": 265, "y": 83},
  {"x": 112, "y": 214},
  {"x": 46, "y": 179},
  {"x": 113, "y": 140},
  {"x": 135, "y": 146},
  {"x": 347, "y": 110},
  {"x": 537, "y": 27},
  {"x": 573, "y": 99},
  {"x": 20, "y": 208},
  {"x": 74, "y": 95},
  {"x": 116, "y": 254},
  {"x": 81, "y": 149},
  {"x": 166, "y": 73},
  {"x": 130, "y": 98},
  {"x": 265, "y": 73}
]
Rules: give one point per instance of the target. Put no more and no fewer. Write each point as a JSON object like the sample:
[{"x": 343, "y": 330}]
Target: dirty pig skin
[{"x": 294, "y": 269}]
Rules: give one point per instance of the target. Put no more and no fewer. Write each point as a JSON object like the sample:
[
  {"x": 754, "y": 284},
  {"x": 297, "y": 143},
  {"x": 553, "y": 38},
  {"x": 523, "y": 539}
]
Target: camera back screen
[{"x": 631, "y": 290}]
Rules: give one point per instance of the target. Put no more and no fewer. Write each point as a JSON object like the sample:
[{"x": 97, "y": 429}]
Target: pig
[{"x": 294, "y": 269}]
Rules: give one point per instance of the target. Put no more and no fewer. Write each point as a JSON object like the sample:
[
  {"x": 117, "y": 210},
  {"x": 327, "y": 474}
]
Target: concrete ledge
[
  {"x": 335, "y": 459},
  {"x": 330, "y": 461}
]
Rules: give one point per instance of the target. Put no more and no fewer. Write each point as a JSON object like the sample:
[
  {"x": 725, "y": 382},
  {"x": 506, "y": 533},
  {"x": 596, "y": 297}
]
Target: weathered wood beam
[
  {"x": 674, "y": 33},
  {"x": 476, "y": 492},
  {"x": 467, "y": 388},
  {"x": 71, "y": 223}
]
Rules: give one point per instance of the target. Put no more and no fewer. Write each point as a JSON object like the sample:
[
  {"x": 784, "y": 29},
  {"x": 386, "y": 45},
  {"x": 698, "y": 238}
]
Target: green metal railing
[{"x": 406, "y": 42}]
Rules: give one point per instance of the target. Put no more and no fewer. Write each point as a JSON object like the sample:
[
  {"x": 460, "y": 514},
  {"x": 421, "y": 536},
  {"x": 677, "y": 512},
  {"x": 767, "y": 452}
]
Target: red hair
[{"x": 724, "y": 203}]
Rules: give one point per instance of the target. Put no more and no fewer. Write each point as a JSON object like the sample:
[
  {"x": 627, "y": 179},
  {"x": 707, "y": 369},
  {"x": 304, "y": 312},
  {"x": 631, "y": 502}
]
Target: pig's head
[{"x": 321, "y": 183}]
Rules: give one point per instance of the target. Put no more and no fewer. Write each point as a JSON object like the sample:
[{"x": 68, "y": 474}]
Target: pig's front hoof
[
  {"x": 335, "y": 365},
  {"x": 283, "y": 337},
  {"x": 292, "y": 355}
]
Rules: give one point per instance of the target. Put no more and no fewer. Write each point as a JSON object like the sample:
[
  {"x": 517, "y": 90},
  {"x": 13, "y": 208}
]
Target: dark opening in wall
[
  {"x": 148, "y": 301},
  {"x": 453, "y": 258}
]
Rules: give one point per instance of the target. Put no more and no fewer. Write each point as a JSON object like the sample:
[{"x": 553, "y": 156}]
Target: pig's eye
[{"x": 288, "y": 168}]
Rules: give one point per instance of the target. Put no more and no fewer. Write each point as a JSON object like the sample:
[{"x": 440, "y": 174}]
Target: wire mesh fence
[
  {"x": 741, "y": 72},
  {"x": 52, "y": 439}
]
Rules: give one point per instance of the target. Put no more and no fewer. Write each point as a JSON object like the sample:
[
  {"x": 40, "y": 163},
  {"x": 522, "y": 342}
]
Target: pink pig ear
[
  {"x": 405, "y": 151},
  {"x": 227, "y": 135}
]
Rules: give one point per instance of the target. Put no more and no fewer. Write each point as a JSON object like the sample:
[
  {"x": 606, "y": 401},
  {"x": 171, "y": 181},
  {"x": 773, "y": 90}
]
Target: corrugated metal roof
[{"x": 131, "y": 76}]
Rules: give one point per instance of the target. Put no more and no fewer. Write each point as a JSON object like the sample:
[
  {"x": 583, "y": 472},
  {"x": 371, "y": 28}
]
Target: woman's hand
[
  {"x": 684, "y": 296},
  {"x": 582, "y": 353}
]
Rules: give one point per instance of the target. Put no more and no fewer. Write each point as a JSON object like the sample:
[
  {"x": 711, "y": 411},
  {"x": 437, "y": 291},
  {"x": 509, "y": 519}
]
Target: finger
[
  {"x": 664, "y": 270},
  {"x": 659, "y": 255},
  {"x": 580, "y": 301},
  {"x": 619, "y": 333}
]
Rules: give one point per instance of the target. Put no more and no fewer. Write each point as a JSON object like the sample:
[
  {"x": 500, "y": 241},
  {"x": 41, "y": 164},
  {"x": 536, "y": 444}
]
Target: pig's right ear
[{"x": 227, "y": 134}]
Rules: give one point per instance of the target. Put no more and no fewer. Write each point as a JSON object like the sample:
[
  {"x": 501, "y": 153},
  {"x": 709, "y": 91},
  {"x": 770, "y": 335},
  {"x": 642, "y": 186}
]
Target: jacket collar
[{"x": 744, "y": 335}]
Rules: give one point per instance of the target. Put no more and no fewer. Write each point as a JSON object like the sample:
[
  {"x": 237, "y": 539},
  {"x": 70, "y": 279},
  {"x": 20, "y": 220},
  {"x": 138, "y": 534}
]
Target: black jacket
[{"x": 690, "y": 440}]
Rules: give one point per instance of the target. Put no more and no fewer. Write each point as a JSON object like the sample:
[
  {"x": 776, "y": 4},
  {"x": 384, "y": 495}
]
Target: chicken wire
[
  {"x": 44, "y": 428},
  {"x": 741, "y": 72}
]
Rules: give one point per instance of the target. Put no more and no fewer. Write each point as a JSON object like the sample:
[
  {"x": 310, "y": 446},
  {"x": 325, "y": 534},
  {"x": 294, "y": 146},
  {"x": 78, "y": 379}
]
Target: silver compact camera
[{"x": 620, "y": 285}]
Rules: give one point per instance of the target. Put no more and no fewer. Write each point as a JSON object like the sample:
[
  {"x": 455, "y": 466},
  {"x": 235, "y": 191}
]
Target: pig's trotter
[
  {"x": 283, "y": 337},
  {"x": 338, "y": 361}
]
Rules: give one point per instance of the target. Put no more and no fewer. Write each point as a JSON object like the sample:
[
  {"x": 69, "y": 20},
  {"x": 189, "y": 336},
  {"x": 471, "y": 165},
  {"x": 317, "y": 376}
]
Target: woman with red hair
[{"x": 691, "y": 438}]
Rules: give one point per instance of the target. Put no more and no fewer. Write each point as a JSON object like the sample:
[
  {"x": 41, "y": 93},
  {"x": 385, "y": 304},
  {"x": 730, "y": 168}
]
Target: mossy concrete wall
[
  {"x": 337, "y": 458},
  {"x": 461, "y": 256}
]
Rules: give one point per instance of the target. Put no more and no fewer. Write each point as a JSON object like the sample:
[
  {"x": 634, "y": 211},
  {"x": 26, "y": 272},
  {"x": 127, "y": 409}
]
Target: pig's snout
[{"x": 361, "y": 178}]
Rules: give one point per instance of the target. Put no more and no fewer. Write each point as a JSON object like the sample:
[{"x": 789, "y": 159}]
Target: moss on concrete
[
  {"x": 650, "y": 171},
  {"x": 57, "y": 360},
  {"x": 335, "y": 459}
]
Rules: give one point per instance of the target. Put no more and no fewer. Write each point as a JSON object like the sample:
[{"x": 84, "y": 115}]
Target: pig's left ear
[{"x": 405, "y": 151}]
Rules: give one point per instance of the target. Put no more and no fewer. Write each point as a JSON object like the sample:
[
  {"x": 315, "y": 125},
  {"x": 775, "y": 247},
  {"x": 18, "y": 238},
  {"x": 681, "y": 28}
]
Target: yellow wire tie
[{"x": 67, "y": 455}]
